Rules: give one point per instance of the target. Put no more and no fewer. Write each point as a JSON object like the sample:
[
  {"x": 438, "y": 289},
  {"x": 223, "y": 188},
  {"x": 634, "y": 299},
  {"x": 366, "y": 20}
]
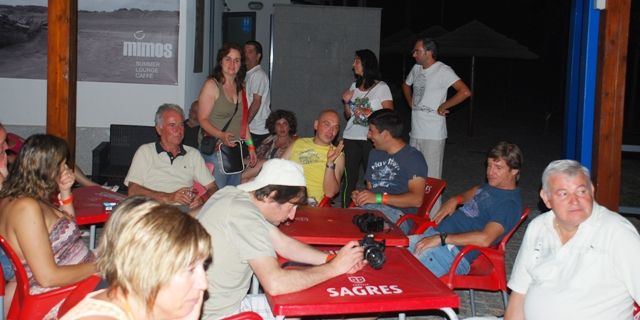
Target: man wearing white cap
[{"x": 242, "y": 222}]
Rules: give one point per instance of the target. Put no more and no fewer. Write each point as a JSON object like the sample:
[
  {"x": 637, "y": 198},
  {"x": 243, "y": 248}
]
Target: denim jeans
[
  {"x": 437, "y": 259},
  {"x": 7, "y": 266},
  {"x": 222, "y": 179}
]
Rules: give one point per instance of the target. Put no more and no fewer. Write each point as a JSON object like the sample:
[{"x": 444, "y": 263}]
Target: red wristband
[
  {"x": 459, "y": 200},
  {"x": 385, "y": 198},
  {"x": 65, "y": 202},
  {"x": 330, "y": 257}
]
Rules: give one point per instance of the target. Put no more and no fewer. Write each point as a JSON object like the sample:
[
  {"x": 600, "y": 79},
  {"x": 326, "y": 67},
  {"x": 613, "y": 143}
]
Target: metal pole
[{"x": 473, "y": 93}]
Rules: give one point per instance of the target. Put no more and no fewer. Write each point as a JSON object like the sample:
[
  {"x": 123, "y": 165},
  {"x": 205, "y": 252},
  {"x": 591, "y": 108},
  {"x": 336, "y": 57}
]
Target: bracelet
[
  {"x": 443, "y": 238},
  {"x": 329, "y": 257},
  {"x": 331, "y": 165},
  {"x": 378, "y": 198},
  {"x": 459, "y": 200},
  {"x": 249, "y": 142},
  {"x": 385, "y": 198},
  {"x": 65, "y": 202},
  {"x": 251, "y": 147}
]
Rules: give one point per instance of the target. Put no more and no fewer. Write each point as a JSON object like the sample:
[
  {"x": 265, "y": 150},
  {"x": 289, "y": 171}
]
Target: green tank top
[{"x": 223, "y": 110}]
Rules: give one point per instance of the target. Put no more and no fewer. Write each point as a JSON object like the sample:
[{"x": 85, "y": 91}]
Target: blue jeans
[
  {"x": 437, "y": 259},
  {"x": 222, "y": 179},
  {"x": 7, "y": 266},
  {"x": 392, "y": 213}
]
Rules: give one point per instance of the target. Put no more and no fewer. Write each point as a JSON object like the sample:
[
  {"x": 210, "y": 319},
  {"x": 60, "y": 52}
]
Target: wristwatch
[
  {"x": 443, "y": 238},
  {"x": 331, "y": 166}
]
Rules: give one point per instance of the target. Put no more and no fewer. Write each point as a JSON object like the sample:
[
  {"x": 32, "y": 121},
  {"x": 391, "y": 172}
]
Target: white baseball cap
[{"x": 277, "y": 172}]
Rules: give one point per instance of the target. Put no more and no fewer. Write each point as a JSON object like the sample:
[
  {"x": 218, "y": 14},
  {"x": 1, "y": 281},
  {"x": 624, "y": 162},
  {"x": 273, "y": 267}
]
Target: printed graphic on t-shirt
[
  {"x": 384, "y": 173},
  {"x": 309, "y": 156},
  {"x": 363, "y": 105},
  {"x": 470, "y": 208},
  {"x": 419, "y": 87}
]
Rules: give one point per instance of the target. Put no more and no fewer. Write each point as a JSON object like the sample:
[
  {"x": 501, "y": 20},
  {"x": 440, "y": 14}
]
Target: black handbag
[
  {"x": 208, "y": 143},
  {"x": 232, "y": 158}
]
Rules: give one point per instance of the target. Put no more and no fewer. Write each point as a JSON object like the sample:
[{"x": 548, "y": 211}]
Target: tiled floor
[{"x": 464, "y": 167}]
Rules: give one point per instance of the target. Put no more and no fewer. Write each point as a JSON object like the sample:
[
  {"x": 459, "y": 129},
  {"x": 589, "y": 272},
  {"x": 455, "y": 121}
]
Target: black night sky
[{"x": 540, "y": 25}]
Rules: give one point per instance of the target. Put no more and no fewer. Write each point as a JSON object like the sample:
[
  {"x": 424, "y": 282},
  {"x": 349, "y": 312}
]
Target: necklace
[
  {"x": 126, "y": 307},
  {"x": 565, "y": 235}
]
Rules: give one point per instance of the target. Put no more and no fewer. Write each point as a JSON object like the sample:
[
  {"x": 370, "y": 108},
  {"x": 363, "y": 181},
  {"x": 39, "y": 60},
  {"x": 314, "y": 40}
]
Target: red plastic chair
[
  {"x": 247, "y": 315},
  {"x": 487, "y": 272},
  {"x": 84, "y": 287},
  {"x": 421, "y": 220},
  {"x": 325, "y": 202},
  {"x": 26, "y": 306}
]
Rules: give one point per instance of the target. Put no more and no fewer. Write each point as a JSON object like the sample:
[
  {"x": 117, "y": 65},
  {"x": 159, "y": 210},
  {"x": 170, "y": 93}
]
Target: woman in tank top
[
  {"x": 37, "y": 217},
  {"x": 219, "y": 98}
]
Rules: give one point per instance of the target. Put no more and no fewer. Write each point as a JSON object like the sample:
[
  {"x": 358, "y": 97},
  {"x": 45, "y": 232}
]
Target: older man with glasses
[{"x": 577, "y": 261}]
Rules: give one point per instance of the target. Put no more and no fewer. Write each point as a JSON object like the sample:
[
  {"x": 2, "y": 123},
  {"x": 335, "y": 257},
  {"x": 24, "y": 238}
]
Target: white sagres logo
[
  {"x": 146, "y": 49},
  {"x": 360, "y": 288},
  {"x": 357, "y": 279}
]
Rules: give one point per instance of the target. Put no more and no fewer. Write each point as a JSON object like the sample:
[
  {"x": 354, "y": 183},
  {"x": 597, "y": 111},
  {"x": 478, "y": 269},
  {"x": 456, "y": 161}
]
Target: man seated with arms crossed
[
  {"x": 577, "y": 261},
  {"x": 243, "y": 222},
  {"x": 396, "y": 172},
  {"x": 166, "y": 169},
  {"x": 487, "y": 214},
  {"x": 322, "y": 161}
]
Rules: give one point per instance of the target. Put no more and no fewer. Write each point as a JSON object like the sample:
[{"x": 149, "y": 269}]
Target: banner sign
[{"x": 128, "y": 41}]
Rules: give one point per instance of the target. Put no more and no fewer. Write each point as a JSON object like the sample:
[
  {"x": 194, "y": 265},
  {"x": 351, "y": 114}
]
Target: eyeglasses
[{"x": 414, "y": 51}]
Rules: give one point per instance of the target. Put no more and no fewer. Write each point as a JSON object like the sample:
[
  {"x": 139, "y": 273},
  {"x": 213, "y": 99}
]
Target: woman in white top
[
  {"x": 152, "y": 256},
  {"x": 365, "y": 95}
]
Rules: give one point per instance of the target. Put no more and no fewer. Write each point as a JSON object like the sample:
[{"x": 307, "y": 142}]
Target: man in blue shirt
[
  {"x": 395, "y": 173},
  {"x": 488, "y": 212}
]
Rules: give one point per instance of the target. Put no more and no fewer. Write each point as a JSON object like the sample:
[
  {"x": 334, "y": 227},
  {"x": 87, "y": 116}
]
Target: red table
[
  {"x": 403, "y": 284},
  {"x": 333, "y": 226},
  {"x": 89, "y": 208}
]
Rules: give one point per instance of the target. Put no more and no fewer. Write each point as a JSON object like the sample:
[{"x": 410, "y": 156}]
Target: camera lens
[{"x": 375, "y": 257}]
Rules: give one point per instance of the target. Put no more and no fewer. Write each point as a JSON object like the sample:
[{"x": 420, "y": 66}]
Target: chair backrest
[
  {"x": 24, "y": 305},
  {"x": 502, "y": 245},
  {"x": 325, "y": 202},
  {"x": 125, "y": 140},
  {"x": 247, "y": 315},
  {"x": 432, "y": 190},
  {"x": 84, "y": 287},
  {"x": 22, "y": 281}
]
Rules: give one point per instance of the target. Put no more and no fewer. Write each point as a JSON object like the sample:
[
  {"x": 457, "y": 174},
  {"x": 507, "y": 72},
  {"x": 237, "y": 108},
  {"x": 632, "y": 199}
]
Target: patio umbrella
[{"x": 475, "y": 39}]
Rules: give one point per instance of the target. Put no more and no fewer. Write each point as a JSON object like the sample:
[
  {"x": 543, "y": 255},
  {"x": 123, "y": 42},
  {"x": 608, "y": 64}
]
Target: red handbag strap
[{"x": 245, "y": 115}]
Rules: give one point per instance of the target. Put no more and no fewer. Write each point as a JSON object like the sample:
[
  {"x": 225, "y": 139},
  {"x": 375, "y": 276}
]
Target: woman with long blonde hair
[{"x": 153, "y": 258}]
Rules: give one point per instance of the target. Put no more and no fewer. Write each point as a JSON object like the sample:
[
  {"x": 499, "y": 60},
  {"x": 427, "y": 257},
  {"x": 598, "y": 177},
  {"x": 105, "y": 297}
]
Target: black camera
[
  {"x": 373, "y": 251},
  {"x": 368, "y": 222}
]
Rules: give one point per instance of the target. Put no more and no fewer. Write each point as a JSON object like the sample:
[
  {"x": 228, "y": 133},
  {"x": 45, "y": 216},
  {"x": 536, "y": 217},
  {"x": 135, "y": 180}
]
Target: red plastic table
[
  {"x": 333, "y": 226},
  {"x": 403, "y": 284},
  {"x": 89, "y": 208}
]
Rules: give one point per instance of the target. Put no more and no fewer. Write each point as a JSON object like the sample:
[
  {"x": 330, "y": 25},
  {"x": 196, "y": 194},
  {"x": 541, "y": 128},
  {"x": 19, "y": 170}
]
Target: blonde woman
[{"x": 153, "y": 258}]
